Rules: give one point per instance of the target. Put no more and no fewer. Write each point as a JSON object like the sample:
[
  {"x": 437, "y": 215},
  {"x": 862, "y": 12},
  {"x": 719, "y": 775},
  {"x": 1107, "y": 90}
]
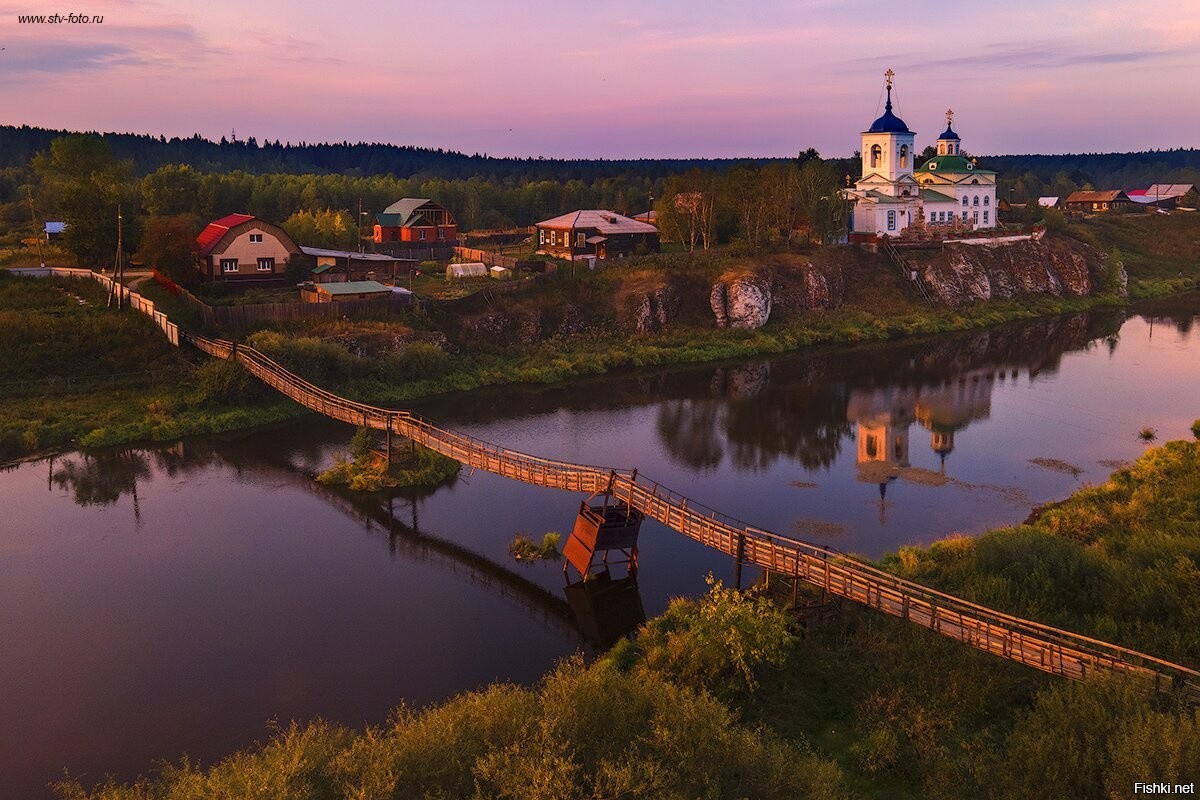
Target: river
[{"x": 184, "y": 598}]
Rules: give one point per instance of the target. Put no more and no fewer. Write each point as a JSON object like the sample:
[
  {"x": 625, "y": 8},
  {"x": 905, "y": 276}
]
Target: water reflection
[
  {"x": 101, "y": 478},
  {"x": 804, "y": 409}
]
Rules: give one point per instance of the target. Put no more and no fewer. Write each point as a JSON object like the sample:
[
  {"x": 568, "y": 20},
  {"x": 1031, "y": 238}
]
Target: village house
[
  {"x": 949, "y": 191},
  {"x": 415, "y": 220},
  {"x": 1109, "y": 200},
  {"x": 1166, "y": 196},
  {"x": 595, "y": 234},
  {"x": 341, "y": 266},
  {"x": 243, "y": 248}
]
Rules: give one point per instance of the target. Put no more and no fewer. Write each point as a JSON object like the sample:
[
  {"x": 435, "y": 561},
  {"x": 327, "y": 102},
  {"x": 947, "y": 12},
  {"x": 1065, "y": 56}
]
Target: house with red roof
[{"x": 242, "y": 248}]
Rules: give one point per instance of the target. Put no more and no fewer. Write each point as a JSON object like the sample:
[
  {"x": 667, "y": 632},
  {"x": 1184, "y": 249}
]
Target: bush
[
  {"x": 420, "y": 360},
  {"x": 720, "y": 642},
  {"x": 582, "y": 732}
]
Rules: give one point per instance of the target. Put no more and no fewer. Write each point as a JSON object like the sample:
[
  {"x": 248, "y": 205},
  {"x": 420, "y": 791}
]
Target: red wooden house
[{"x": 417, "y": 220}]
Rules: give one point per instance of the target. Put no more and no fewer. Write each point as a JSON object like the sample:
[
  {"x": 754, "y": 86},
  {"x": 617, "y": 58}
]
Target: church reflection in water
[{"x": 884, "y": 417}]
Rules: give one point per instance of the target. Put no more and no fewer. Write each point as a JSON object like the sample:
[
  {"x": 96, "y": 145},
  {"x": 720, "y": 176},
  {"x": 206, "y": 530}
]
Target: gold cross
[
  {"x": 889, "y": 75},
  {"x": 949, "y": 116}
]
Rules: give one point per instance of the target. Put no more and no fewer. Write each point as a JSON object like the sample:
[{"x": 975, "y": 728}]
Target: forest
[{"x": 325, "y": 194}]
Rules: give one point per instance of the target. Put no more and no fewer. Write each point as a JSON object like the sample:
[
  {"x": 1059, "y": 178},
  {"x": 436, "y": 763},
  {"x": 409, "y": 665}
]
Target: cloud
[
  {"x": 1046, "y": 55},
  {"x": 64, "y": 57}
]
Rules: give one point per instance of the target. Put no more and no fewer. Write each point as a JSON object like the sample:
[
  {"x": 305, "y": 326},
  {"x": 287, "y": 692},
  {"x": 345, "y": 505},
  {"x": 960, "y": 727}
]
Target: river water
[{"x": 185, "y": 598}]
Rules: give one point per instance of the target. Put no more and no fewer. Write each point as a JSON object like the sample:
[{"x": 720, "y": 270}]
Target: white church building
[{"x": 949, "y": 193}]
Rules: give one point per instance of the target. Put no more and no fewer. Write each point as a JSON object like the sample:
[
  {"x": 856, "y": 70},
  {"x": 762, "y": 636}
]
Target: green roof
[
  {"x": 353, "y": 287},
  {"x": 386, "y": 220},
  {"x": 936, "y": 197},
  {"x": 957, "y": 165},
  {"x": 322, "y": 268}
]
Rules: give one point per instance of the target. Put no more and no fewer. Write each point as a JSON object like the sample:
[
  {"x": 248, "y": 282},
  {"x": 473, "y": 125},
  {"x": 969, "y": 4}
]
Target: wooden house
[
  {"x": 1110, "y": 200},
  {"x": 415, "y": 220},
  {"x": 240, "y": 248},
  {"x": 595, "y": 234},
  {"x": 340, "y": 266}
]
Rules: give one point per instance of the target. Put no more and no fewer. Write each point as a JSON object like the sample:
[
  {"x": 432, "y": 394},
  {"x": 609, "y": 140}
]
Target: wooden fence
[{"x": 1042, "y": 647}]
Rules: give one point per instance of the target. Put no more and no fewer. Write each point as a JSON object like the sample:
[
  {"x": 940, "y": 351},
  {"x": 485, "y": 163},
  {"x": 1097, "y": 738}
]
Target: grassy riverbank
[
  {"x": 83, "y": 375},
  {"x": 725, "y": 697},
  {"x": 75, "y": 373}
]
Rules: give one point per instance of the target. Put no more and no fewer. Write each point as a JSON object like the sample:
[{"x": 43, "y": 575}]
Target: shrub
[{"x": 720, "y": 642}]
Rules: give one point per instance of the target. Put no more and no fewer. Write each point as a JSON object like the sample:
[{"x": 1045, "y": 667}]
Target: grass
[
  {"x": 724, "y": 696},
  {"x": 85, "y": 375},
  {"x": 523, "y": 548},
  {"x": 413, "y": 465}
]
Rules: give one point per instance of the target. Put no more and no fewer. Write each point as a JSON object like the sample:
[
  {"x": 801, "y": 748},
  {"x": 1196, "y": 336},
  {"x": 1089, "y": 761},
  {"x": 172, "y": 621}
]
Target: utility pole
[
  {"x": 118, "y": 269},
  {"x": 36, "y": 233}
]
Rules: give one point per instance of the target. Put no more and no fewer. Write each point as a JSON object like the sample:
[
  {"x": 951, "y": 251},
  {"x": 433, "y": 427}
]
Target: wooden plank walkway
[
  {"x": 1039, "y": 646},
  {"x": 1042, "y": 647}
]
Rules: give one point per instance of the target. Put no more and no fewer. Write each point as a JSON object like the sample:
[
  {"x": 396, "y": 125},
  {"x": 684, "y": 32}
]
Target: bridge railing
[{"x": 1035, "y": 644}]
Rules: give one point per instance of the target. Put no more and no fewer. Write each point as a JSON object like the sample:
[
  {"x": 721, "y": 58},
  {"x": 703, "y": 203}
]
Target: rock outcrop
[
  {"x": 743, "y": 301},
  {"x": 654, "y": 310},
  {"x": 960, "y": 273}
]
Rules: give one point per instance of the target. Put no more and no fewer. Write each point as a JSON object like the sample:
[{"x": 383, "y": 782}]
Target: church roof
[
  {"x": 889, "y": 122},
  {"x": 953, "y": 164},
  {"x": 949, "y": 134},
  {"x": 930, "y": 196}
]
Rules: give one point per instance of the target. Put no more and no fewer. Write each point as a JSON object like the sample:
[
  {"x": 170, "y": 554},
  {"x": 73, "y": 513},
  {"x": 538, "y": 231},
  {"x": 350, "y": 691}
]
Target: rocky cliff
[{"x": 961, "y": 273}]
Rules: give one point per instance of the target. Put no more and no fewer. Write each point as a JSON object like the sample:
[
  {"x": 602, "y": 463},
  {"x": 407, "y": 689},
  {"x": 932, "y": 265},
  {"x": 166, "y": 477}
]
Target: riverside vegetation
[
  {"x": 724, "y": 697},
  {"x": 394, "y": 359},
  {"x": 77, "y": 374}
]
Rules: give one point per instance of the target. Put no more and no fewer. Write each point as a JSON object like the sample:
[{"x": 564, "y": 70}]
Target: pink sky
[{"x": 613, "y": 79}]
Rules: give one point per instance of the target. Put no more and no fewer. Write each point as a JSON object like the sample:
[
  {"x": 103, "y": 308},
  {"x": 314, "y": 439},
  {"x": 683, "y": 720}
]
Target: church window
[
  {"x": 975, "y": 217},
  {"x": 987, "y": 201},
  {"x": 876, "y": 155},
  {"x": 964, "y": 216},
  {"x": 891, "y": 220},
  {"x": 976, "y": 200},
  {"x": 985, "y": 216},
  {"x": 871, "y": 447},
  {"x": 964, "y": 200},
  {"x": 903, "y": 156}
]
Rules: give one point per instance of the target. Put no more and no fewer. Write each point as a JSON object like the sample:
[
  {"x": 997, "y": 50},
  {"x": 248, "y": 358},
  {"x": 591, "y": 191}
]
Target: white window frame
[
  {"x": 256, "y": 238},
  {"x": 891, "y": 220},
  {"x": 269, "y": 265},
  {"x": 541, "y": 235},
  {"x": 229, "y": 265}
]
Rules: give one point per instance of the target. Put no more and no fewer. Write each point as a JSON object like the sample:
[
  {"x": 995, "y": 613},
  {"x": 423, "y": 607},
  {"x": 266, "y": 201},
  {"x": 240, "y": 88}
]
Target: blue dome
[
  {"x": 889, "y": 122},
  {"x": 949, "y": 134}
]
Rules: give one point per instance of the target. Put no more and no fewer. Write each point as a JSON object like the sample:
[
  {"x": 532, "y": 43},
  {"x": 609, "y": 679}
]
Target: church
[{"x": 948, "y": 194}]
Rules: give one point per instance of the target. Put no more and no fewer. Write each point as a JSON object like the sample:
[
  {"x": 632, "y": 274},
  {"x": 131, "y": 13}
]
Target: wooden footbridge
[{"x": 1042, "y": 647}]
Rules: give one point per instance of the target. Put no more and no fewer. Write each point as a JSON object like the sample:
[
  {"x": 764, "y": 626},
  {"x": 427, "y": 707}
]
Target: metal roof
[
  {"x": 352, "y": 287},
  {"x": 321, "y": 251},
  {"x": 607, "y": 222},
  {"x": 212, "y": 233},
  {"x": 936, "y": 197},
  {"x": 1107, "y": 196},
  {"x": 403, "y": 213},
  {"x": 1161, "y": 190},
  {"x": 955, "y": 165}
]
